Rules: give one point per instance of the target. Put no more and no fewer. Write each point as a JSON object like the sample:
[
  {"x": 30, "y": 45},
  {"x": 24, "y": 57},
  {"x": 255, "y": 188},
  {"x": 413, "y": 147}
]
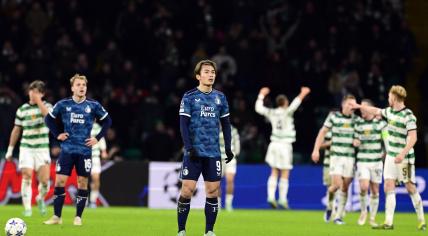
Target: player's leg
[
  {"x": 343, "y": 198},
  {"x": 271, "y": 187},
  {"x": 374, "y": 202},
  {"x": 189, "y": 174},
  {"x": 26, "y": 190},
  {"x": 283, "y": 188},
  {"x": 364, "y": 189},
  {"x": 42, "y": 164},
  {"x": 286, "y": 166},
  {"x": 211, "y": 171},
  {"x": 43, "y": 174},
  {"x": 59, "y": 196},
  {"x": 414, "y": 195},
  {"x": 390, "y": 176},
  {"x": 26, "y": 165},
  {"x": 95, "y": 182},
  {"x": 375, "y": 181},
  {"x": 83, "y": 164},
  {"x": 272, "y": 160},
  {"x": 363, "y": 174},
  {"x": 230, "y": 188}
]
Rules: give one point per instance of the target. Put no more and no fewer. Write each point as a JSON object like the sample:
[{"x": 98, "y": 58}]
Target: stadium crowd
[{"x": 138, "y": 57}]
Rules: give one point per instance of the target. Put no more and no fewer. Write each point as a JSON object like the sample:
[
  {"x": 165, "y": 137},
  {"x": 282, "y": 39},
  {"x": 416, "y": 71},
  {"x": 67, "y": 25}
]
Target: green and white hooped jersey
[
  {"x": 342, "y": 134},
  {"x": 369, "y": 132},
  {"x": 101, "y": 145},
  {"x": 281, "y": 119},
  {"x": 326, "y": 161},
  {"x": 236, "y": 143},
  {"x": 35, "y": 134},
  {"x": 399, "y": 124}
]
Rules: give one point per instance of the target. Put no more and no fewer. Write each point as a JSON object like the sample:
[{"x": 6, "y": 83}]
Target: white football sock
[
  {"x": 343, "y": 197},
  {"x": 26, "y": 193},
  {"x": 417, "y": 204},
  {"x": 283, "y": 190},
  {"x": 94, "y": 196},
  {"x": 229, "y": 200},
  {"x": 374, "y": 205},
  {"x": 271, "y": 187},
  {"x": 363, "y": 202},
  {"x": 390, "y": 207}
]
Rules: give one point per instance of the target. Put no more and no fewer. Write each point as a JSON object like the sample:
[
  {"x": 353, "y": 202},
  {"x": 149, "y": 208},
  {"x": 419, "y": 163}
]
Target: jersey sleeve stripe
[
  {"x": 104, "y": 116},
  {"x": 225, "y": 115},
  {"x": 50, "y": 113},
  {"x": 184, "y": 114}
]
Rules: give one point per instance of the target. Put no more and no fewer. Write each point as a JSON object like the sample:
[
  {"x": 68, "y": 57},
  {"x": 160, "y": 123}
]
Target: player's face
[
  {"x": 207, "y": 75},
  {"x": 79, "y": 88},
  {"x": 32, "y": 93},
  {"x": 364, "y": 114},
  {"x": 391, "y": 99},
  {"x": 347, "y": 106}
]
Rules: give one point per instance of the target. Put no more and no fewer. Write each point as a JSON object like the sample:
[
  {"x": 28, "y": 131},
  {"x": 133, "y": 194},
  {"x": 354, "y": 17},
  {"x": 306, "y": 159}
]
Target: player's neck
[
  {"x": 398, "y": 106},
  {"x": 78, "y": 99},
  {"x": 205, "y": 88}
]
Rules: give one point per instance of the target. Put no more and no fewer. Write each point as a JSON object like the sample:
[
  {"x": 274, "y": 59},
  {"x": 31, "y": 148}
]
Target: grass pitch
[{"x": 143, "y": 221}]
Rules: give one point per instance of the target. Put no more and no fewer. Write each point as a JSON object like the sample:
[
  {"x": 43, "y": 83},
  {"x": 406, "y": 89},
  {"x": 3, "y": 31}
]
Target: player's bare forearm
[
  {"x": 304, "y": 91},
  {"x": 412, "y": 138},
  {"x": 43, "y": 109},
  {"x": 14, "y": 135},
  {"x": 320, "y": 138}
]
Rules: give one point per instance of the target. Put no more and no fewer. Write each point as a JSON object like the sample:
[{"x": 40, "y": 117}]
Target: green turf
[{"x": 143, "y": 221}]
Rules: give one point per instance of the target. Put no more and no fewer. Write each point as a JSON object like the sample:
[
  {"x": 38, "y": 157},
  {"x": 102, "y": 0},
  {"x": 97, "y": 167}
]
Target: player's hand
[
  {"x": 305, "y": 90},
  {"x": 62, "y": 136},
  {"x": 315, "y": 156},
  {"x": 91, "y": 141},
  {"x": 356, "y": 142},
  {"x": 354, "y": 105},
  {"x": 229, "y": 155},
  {"x": 399, "y": 158},
  {"x": 264, "y": 91},
  {"x": 193, "y": 155},
  {"x": 8, "y": 155}
]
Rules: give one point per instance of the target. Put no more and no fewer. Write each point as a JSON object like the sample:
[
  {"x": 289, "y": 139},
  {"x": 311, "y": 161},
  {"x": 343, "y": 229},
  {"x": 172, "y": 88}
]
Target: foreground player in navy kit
[
  {"x": 77, "y": 114},
  {"x": 201, "y": 111}
]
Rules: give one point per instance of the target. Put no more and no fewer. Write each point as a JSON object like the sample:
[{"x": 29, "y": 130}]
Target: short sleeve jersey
[
  {"x": 204, "y": 111},
  {"x": 77, "y": 119},
  {"x": 399, "y": 124}
]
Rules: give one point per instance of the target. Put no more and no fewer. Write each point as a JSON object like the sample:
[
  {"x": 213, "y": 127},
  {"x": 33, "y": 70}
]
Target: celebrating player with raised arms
[
  {"x": 279, "y": 155},
  {"x": 77, "y": 114}
]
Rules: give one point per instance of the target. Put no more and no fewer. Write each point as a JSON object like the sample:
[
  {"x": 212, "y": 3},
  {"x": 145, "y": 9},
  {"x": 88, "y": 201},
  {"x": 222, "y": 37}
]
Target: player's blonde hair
[
  {"x": 348, "y": 96},
  {"x": 77, "y": 76},
  {"x": 399, "y": 92},
  {"x": 198, "y": 66}
]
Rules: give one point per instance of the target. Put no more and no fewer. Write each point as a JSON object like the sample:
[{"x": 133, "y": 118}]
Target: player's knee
[
  {"x": 187, "y": 192},
  {"x": 212, "y": 192},
  {"x": 411, "y": 188},
  {"x": 60, "y": 182},
  {"x": 26, "y": 176},
  {"x": 82, "y": 183}
]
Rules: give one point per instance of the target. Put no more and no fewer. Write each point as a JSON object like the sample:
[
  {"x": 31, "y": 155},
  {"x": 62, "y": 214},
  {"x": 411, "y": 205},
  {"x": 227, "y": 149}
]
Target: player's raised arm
[
  {"x": 304, "y": 91},
  {"x": 260, "y": 108}
]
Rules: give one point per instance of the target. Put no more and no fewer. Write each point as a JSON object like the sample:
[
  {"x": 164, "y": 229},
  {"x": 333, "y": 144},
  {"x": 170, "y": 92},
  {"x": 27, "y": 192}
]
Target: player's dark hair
[
  {"x": 37, "y": 84},
  {"x": 281, "y": 100},
  {"x": 198, "y": 66}
]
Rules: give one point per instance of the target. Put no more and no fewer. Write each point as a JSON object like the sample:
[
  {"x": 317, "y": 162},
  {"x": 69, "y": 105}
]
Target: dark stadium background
[{"x": 139, "y": 56}]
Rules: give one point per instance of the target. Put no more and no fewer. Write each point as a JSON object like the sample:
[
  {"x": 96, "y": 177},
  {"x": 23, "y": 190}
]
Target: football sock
[
  {"x": 82, "y": 195},
  {"x": 389, "y": 207},
  {"x": 94, "y": 196},
  {"x": 363, "y": 201},
  {"x": 271, "y": 187},
  {"x": 59, "y": 193},
  {"x": 211, "y": 209},
  {"x": 283, "y": 190},
  {"x": 374, "y": 205},
  {"x": 183, "y": 208},
  {"x": 26, "y": 193},
  {"x": 417, "y": 204}
]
